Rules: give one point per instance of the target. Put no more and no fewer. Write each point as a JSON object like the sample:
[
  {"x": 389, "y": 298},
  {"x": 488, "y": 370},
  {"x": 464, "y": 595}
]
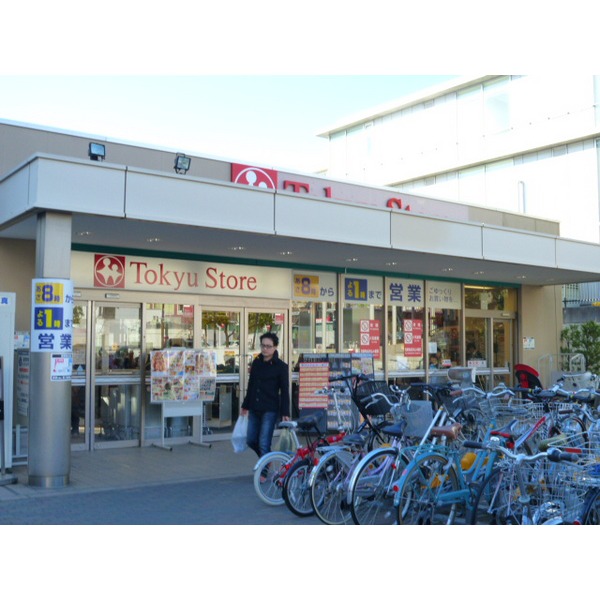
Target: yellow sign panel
[
  {"x": 306, "y": 286},
  {"x": 49, "y": 292}
]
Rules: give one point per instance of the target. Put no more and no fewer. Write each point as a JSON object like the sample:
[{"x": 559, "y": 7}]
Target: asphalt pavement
[{"x": 147, "y": 486}]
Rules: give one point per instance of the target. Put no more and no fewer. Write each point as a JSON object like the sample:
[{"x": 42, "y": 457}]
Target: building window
[{"x": 314, "y": 328}]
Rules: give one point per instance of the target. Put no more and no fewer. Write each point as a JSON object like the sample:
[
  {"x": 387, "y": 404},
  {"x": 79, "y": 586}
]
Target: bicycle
[
  {"x": 295, "y": 484},
  {"x": 329, "y": 479},
  {"x": 527, "y": 489},
  {"x": 437, "y": 486},
  {"x": 370, "y": 489},
  {"x": 270, "y": 470}
]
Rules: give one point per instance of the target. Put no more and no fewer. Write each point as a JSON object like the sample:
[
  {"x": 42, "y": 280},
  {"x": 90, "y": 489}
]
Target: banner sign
[{"x": 52, "y": 317}]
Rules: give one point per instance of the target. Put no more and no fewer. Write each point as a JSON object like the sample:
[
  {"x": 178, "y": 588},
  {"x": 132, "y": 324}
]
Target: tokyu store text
[{"x": 127, "y": 307}]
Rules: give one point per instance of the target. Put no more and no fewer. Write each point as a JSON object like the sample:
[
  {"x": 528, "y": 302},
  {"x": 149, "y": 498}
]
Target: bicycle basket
[
  {"x": 374, "y": 405},
  {"x": 506, "y": 409},
  {"x": 418, "y": 415}
]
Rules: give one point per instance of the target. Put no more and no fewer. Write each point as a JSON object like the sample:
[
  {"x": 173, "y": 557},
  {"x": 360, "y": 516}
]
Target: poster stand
[
  {"x": 5, "y": 479},
  {"x": 315, "y": 371},
  {"x": 182, "y": 381}
]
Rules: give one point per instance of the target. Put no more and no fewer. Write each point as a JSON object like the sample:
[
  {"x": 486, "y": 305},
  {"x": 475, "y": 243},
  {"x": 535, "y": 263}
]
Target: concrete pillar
[{"x": 49, "y": 456}]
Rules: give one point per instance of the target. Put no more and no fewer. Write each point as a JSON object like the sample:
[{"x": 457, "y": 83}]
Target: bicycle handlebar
[{"x": 552, "y": 454}]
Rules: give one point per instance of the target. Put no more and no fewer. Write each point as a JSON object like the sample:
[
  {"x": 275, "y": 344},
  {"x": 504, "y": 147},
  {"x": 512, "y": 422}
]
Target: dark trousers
[{"x": 261, "y": 426}]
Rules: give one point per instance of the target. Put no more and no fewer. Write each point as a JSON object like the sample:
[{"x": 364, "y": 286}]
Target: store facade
[
  {"x": 212, "y": 258},
  {"x": 123, "y": 312}
]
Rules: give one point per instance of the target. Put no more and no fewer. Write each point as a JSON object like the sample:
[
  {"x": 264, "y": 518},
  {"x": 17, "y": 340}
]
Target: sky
[
  {"x": 252, "y": 81},
  {"x": 269, "y": 120}
]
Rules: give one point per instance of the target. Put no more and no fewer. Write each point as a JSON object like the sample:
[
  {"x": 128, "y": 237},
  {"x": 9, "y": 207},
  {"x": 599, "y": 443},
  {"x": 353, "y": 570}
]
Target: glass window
[
  {"x": 221, "y": 332},
  {"x": 477, "y": 342},
  {"x": 78, "y": 420},
  {"x": 118, "y": 338},
  {"x": 169, "y": 326},
  {"x": 116, "y": 412},
  {"x": 405, "y": 324},
  {"x": 406, "y": 338},
  {"x": 363, "y": 327},
  {"x": 491, "y": 298},
  {"x": 444, "y": 338},
  {"x": 363, "y": 316},
  {"x": 496, "y": 106},
  {"x": 314, "y": 328}
]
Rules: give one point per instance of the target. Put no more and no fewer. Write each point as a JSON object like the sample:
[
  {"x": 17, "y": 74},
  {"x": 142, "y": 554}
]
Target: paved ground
[{"x": 147, "y": 486}]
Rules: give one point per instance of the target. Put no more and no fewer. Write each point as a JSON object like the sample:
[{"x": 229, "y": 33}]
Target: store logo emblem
[
  {"x": 253, "y": 176},
  {"x": 109, "y": 271}
]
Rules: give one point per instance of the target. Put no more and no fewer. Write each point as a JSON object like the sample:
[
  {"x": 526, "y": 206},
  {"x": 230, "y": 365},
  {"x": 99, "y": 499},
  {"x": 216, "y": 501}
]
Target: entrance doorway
[
  {"x": 110, "y": 401},
  {"x": 489, "y": 348},
  {"x": 106, "y": 396},
  {"x": 234, "y": 333}
]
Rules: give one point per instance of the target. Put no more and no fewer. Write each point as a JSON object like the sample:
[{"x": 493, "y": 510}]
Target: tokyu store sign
[{"x": 135, "y": 273}]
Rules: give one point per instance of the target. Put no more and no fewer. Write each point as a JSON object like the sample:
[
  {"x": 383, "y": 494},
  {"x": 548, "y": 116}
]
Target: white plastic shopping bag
[
  {"x": 238, "y": 439},
  {"x": 286, "y": 442}
]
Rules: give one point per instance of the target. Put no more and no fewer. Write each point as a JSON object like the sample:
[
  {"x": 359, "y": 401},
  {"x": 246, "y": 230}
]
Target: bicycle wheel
[
  {"x": 591, "y": 510},
  {"x": 371, "y": 493},
  {"x": 420, "y": 497},
  {"x": 499, "y": 500},
  {"x": 296, "y": 491},
  {"x": 328, "y": 483},
  {"x": 269, "y": 475}
]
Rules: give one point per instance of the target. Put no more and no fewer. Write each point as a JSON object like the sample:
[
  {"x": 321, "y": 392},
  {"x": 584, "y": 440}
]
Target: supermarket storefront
[
  {"x": 127, "y": 306},
  {"x": 211, "y": 258}
]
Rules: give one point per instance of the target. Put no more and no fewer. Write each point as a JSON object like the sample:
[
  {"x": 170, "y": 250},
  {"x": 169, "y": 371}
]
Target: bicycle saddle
[
  {"x": 308, "y": 422},
  {"x": 395, "y": 430}
]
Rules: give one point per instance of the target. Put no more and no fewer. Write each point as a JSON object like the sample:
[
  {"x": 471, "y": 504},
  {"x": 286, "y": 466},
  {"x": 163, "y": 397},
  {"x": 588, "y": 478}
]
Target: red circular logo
[{"x": 109, "y": 271}]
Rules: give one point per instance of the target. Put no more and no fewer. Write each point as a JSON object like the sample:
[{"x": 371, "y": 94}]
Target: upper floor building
[{"x": 522, "y": 144}]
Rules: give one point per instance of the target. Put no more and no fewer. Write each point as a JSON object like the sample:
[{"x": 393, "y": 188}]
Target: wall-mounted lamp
[
  {"x": 96, "y": 151},
  {"x": 182, "y": 163}
]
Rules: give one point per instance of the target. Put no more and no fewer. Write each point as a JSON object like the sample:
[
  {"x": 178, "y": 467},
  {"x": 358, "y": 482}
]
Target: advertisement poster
[
  {"x": 22, "y": 383},
  {"x": 370, "y": 339},
  {"x": 413, "y": 337},
  {"x": 314, "y": 377},
  {"x": 61, "y": 367},
  {"x": 183, "y": 375}
]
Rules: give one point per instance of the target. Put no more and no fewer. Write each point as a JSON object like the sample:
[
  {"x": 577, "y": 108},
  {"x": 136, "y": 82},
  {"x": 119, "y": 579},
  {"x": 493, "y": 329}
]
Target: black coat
[{"x": 268, "y": 386}]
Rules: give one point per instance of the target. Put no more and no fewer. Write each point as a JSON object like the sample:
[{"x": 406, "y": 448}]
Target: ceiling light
[
  {"x": 237, "y": 248},
  {"x": 153, "y": 240},
  {"x": 352, "y": 260},
  {"x": 286, "y": 253}
]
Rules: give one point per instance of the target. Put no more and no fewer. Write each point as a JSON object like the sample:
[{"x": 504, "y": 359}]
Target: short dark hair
[{"x": 271, "y": 336}]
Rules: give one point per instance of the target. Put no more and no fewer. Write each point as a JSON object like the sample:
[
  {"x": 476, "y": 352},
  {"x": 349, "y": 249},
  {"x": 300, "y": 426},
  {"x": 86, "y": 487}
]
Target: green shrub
[{"x": 583, "y": 338}]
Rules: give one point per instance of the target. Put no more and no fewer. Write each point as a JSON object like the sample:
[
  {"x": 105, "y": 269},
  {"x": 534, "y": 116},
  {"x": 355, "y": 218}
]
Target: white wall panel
[
  {"x": 577, "y": 256},
  {"x": 197, "y": 202},
  {"x": 436, "y": 236},
  {"x": 517, "y": 247},
  {"x": 299, "y": 216},
  {"x": 14, "y": 195},
  {"x": 77, "y": 186}
]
